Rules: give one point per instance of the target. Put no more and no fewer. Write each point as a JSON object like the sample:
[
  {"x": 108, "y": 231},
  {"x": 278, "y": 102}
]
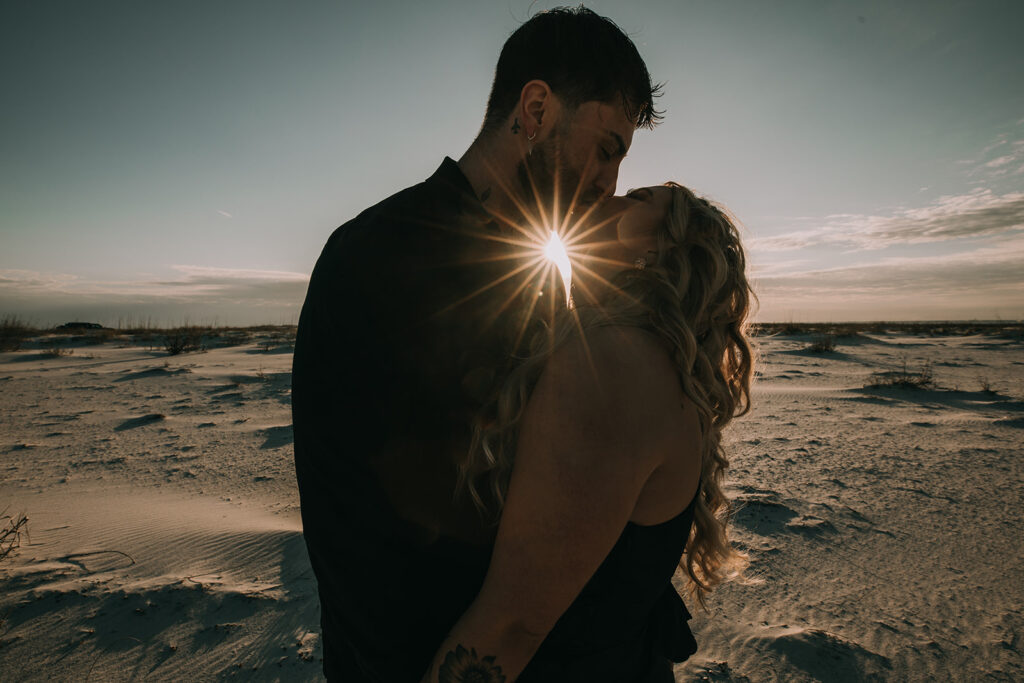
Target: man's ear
[{"x": 539, "y": 109}]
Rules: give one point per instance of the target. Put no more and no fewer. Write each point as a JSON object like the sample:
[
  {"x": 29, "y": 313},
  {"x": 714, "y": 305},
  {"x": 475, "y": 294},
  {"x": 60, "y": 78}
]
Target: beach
[{"x": 879, "y": 489}]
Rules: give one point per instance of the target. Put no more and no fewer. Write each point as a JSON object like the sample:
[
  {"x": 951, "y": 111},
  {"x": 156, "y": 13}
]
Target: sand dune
[
  {"x": 140, "y": 585},
  {"x": 883, "y": 520}
]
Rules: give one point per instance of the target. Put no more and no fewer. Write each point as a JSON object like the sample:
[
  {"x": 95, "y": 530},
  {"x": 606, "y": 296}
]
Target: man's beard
[{"x": 552, "y": 181}]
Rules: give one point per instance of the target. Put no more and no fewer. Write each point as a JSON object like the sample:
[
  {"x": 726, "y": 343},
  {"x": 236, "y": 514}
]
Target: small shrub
[
  {"x": 58, "y": 352},
  {"x": 904, "y": 378},
  {"x": 183, "y": 340},
  {"x": 13, "y": 332},
  {"x": 823, "y": 343},
  {"x": 10, "y": 533}
]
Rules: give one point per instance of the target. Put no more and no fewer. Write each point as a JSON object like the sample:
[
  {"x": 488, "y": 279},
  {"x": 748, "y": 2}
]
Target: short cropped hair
[{"x": 582, "y": 56}]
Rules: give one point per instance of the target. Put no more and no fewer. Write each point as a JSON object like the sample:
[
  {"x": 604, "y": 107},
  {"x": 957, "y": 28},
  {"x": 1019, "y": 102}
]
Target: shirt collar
[{"x": 450, "y": 177}]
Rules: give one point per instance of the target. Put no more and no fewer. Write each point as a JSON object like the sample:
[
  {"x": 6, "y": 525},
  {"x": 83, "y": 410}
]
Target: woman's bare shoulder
[
  {"x": 627, "y": 362},
  {"x": 618, "y": 388}
]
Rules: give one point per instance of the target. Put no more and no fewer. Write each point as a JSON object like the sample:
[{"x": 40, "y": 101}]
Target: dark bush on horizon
[
  {"x": 824, "y": 343},
  {"x": 13, "y": 332},
  {"x": 183, "y": 340}
]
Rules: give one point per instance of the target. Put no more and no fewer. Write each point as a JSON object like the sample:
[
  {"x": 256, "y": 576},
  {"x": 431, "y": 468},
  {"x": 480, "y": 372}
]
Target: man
[{"x": 410, "y": 315}]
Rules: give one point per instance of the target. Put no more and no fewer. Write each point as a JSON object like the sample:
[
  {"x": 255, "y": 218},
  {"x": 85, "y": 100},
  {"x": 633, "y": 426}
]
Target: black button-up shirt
[{"x": 402, "y": 336}]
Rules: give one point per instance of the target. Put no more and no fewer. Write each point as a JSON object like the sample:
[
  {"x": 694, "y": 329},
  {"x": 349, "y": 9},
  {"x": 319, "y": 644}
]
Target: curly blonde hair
[{"x": 696, "y": 298}]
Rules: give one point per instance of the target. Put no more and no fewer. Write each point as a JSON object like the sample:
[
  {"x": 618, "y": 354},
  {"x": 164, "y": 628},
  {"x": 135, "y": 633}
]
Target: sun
[
  {"x": 555, "y": 252},
  {"x": 542, "y": 244}
]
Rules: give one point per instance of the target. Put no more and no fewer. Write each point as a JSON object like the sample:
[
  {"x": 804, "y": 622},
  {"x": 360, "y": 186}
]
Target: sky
[{"x": 185, "y": 162}]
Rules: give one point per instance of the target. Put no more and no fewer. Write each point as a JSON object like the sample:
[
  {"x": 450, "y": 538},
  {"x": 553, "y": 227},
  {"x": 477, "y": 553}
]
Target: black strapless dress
[{"x": 628, "y": 624}]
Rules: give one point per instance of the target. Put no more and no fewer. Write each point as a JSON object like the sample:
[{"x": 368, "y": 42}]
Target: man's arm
[{"x": 596, "y": 427}]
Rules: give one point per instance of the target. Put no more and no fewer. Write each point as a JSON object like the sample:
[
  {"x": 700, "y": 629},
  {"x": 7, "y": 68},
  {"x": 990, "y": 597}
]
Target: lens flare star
[
  {"x": 544, "y": 241},
  {"x": 554, "y": 251}
]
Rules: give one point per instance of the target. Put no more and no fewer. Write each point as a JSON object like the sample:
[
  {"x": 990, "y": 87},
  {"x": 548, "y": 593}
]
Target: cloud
[
  {"x": 251, "y": 296},
  {"x": 1000, "y": 161},
  {"x": 765, "y": 269},
  {"x": 976, "y": 284},
  {"x": 33, "y": 281},
  {"x": 1009, "y": 150},
  {"x": 979, "y": 213},
  {"x": 225, "y": 214}
]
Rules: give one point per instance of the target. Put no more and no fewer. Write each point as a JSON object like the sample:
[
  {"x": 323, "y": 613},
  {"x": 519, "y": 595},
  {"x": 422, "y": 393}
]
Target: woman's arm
[{"x": 601, "y": 419}]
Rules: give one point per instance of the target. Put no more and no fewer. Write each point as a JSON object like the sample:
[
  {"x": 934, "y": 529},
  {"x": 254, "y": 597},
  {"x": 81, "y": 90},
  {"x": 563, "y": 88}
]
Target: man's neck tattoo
[{"x": 515, "y": 126}]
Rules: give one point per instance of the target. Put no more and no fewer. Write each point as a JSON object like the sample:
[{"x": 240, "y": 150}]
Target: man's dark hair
[{"x": 582, "y": 56}]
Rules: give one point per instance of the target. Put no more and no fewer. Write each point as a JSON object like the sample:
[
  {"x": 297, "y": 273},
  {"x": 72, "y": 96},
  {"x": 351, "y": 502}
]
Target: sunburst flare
[{"x": 555, "y": 252}]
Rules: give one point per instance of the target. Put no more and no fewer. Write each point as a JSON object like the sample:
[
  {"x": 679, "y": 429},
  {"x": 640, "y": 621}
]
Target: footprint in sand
[
  {"x": 134, "y": 422},
  {"x": 819, "y": 654},
  {"x": 762, "y": 515},
  {"x": 152, "y": 372},
  {"x": 809, "y": 525},
  {"x": 276, "y": 437}
]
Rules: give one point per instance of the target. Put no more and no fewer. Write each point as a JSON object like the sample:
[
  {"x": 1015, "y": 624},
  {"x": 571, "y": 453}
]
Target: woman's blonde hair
[{"x": 696, "y": 298}]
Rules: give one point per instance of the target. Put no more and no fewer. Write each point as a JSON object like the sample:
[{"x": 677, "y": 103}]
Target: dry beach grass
[{"x": 879, "y": 488}]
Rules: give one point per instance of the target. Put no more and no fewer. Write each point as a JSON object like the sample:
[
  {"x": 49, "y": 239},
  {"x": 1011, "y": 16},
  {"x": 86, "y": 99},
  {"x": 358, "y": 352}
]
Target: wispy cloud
[
  {"x": 972, "y": 284},
  {"x": 33, "y": 281},
  {"x": 986, "y": 266},
  {"x": 224, "y": 213},
  {"x": 255, "y": 295},
  {"x": 958, "y": 256},
  {"x": 980, "y": 213},
  {"x": 1000, "y": 161}
]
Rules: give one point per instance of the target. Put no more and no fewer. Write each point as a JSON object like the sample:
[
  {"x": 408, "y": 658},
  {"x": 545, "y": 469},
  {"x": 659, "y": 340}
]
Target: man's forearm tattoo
[
  {"x": 463, "y": 666},
  {"x": 515, "y": 125}
]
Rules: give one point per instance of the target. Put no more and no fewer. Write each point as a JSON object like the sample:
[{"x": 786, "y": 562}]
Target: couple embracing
[{"x": 498, "y": 476}]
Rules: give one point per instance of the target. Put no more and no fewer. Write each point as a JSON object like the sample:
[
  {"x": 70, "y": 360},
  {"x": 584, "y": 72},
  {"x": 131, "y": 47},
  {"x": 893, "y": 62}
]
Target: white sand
[{"x": 885, "y": 525}]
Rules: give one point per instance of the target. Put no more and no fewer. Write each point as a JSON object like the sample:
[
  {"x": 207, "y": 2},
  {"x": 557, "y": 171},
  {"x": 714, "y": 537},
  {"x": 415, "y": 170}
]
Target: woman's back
[
  {"x": 627, "y": 618},
  {"x": 628, "y": 622},
  {"x": 608, "y": 426}
]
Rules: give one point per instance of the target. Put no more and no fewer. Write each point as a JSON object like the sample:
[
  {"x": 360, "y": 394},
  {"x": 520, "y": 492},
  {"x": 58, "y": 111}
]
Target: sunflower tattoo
[{"x": 463, "y": 666}]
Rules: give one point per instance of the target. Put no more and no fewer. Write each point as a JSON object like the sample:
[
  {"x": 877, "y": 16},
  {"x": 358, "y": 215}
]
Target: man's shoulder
[
  {"x": 374, "y": 232},
  {"x": 401, "y": 208},
  {"x": 438, "y": 198}
]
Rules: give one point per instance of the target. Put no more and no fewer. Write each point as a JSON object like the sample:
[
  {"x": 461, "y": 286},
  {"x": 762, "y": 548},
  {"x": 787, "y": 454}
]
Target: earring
[
  {"x": 531, "y": 138},
  {"x": 639, "y": 263}
]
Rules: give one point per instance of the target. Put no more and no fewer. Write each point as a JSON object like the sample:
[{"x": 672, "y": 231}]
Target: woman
[{"x": 613, "y": 424}]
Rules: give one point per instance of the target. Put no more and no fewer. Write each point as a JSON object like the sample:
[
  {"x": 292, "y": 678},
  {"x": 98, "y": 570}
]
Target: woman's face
[
  {"x": 642, "y": 217},
  {"x": 629, "y": 230}
]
